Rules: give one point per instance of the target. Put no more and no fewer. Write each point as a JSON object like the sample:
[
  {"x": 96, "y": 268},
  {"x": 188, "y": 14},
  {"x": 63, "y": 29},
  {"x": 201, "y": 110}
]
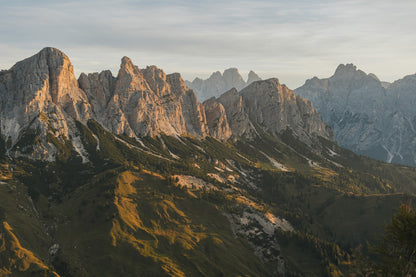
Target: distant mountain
[
  {"x": 219, "y": 83},
  {"x": 368, "y": 116}
]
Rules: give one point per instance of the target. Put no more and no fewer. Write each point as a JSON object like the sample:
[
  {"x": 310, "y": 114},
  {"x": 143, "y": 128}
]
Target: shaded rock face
[
  {"x": 217, "y": 119},
  {"x": 368, "y": 116},
  {"x": 237, "y": 115},
  {"x": 219, "y": 83},
  {"x": 275, "y": 108},
  {"x": 41, "y": 93},
  {"x": 252, "y": 77},
  {"x": 99, "y": 88}
]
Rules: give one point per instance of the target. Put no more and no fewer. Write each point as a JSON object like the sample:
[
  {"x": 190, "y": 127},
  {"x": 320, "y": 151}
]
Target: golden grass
[
  {"x": 325, "y": 174},
  {"x": 244, "y": 200},
  {"x": 20, "y": 258},
  {"x": 153, "y": 174},
  {"x": 169, "y": 223}
]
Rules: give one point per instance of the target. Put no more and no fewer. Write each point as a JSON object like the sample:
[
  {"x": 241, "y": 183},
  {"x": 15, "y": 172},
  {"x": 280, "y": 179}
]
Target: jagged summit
[
  {"x": 344, "y": 68},
  {"x": 252, "y": 77},
  {"x": 277, "y": 108},
  {"x": 367, "y": 115},
  {"x": 373, "y": 76},
  {"x": 219, "y": 83},
  {"x": 41, "y": 95}
]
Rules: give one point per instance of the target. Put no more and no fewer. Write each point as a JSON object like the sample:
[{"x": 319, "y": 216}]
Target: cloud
[{"x": 301, "y": 38}]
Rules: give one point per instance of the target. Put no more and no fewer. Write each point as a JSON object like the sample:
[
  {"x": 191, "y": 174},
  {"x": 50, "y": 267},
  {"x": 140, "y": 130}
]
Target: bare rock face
[
  {"x": 156, "y": 79},
  {"x": 40, "y": 96},
  {"x": 41, "y": 100},
  {"x": 217, "y": 119},
  {"x": 275, "y": 108},
  {"x": 252, "y": 77},
  {"x": 99, "y": 89},
  {"x": 148, "y": 102},
  {"x": 368, "y": 116},
  {"x": 219, "y": 83},
  {"x": 233, "y": 79},
  {"x": 237, "y": 115}
]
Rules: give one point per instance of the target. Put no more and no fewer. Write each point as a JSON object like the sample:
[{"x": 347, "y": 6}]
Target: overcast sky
[{"x": 292, "y": 40}]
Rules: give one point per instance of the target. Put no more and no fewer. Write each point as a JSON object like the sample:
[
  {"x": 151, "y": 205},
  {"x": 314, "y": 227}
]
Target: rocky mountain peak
[
  {"x": 233, "y": 78},
  {"x": 41, "y": 95},
  {"x": 274, "y": 108},
  {"x": 126, "y": 62},
  {"x": 49, "y": 64},
  {"x": 372, "y": 75},
  {"x": 129, "y": 77},
  {"x": 215, "y": 74},
  {"x": 345, "y": 68},
  {"x": 219, "y": 83},
  {"x": 252, "y": 77},
  {"x": 156, "y": 79},
  {"x": 47, "y": 98},
  {"x": 368, "y": 116},
  {"x": 177, "y": 83},
  {"x": 237, "y": 115}
]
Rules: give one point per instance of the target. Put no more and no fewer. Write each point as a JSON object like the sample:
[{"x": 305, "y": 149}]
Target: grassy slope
[
  {"x": 23, "y": 242},
  {"x": 121, "y": 214}
]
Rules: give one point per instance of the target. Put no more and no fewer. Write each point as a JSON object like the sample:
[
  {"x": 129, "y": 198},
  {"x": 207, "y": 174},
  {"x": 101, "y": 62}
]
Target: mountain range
[
  {"x": 131, "y": 175},
  {"x": 41, "y": 98},
  {"x": 368, "y": 116},
  {"x": 219, "y": 83}
]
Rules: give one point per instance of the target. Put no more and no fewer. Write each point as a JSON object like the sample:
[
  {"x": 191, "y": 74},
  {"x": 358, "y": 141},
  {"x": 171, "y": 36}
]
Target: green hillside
[{"x": 170, "y": 206}]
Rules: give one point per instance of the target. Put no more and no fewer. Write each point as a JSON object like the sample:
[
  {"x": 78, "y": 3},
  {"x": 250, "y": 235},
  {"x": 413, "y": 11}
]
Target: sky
[{"x": 291, "y": 40}]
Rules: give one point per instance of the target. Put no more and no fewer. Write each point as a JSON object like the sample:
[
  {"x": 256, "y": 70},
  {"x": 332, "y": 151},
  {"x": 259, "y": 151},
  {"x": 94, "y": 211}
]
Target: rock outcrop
[
  {"x": 368, "y": 116},
  {"x": 217, "y": 119},
  {"x": 219, "y": 83},
  {"x": 275, "y": 108},
  {"x": 252, "y": 77},
  {"x": 237, "y": 115},
  {"x": 40, "y": 98},
  {"x": 148, "y": 102}
]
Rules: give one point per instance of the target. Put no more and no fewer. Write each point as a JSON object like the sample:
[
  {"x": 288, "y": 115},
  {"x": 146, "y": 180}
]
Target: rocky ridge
[
  {"x": 219, "y": 83},
  {"x": 367, "y": 115},
  {"x": 41, "y": 103}
]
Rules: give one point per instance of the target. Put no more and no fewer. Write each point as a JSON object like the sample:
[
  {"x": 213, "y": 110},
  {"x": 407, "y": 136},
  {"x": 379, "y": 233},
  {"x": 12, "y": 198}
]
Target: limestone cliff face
[
  {"x": 217, "y": 119},
  {"x": 233, "y": 78},
  {"x": 275, "y": 107},
  {"x": 40, "y": 95},
  {"x": 252, "y": 77},
  {"x": 99, "y": 88},
  {"x": 41, "y": 100},
  {"x": 368, "y": 116},
  {"x": 237, "y": 115},
  {"x": 149, "y": 102}
]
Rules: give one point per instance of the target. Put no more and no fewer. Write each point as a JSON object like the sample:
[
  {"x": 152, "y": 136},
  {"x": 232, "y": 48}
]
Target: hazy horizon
[{"x": 290, "y": 40}]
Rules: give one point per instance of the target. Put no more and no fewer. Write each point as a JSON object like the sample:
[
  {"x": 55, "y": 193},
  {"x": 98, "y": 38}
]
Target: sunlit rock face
[
  {"x": 237, "y": 115},
  {"x": 40, "y": 96},
  {"x": 146, "y": 102},
  {"x": 42, "y": 102},
  {"x": 368, "y": 116}
]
